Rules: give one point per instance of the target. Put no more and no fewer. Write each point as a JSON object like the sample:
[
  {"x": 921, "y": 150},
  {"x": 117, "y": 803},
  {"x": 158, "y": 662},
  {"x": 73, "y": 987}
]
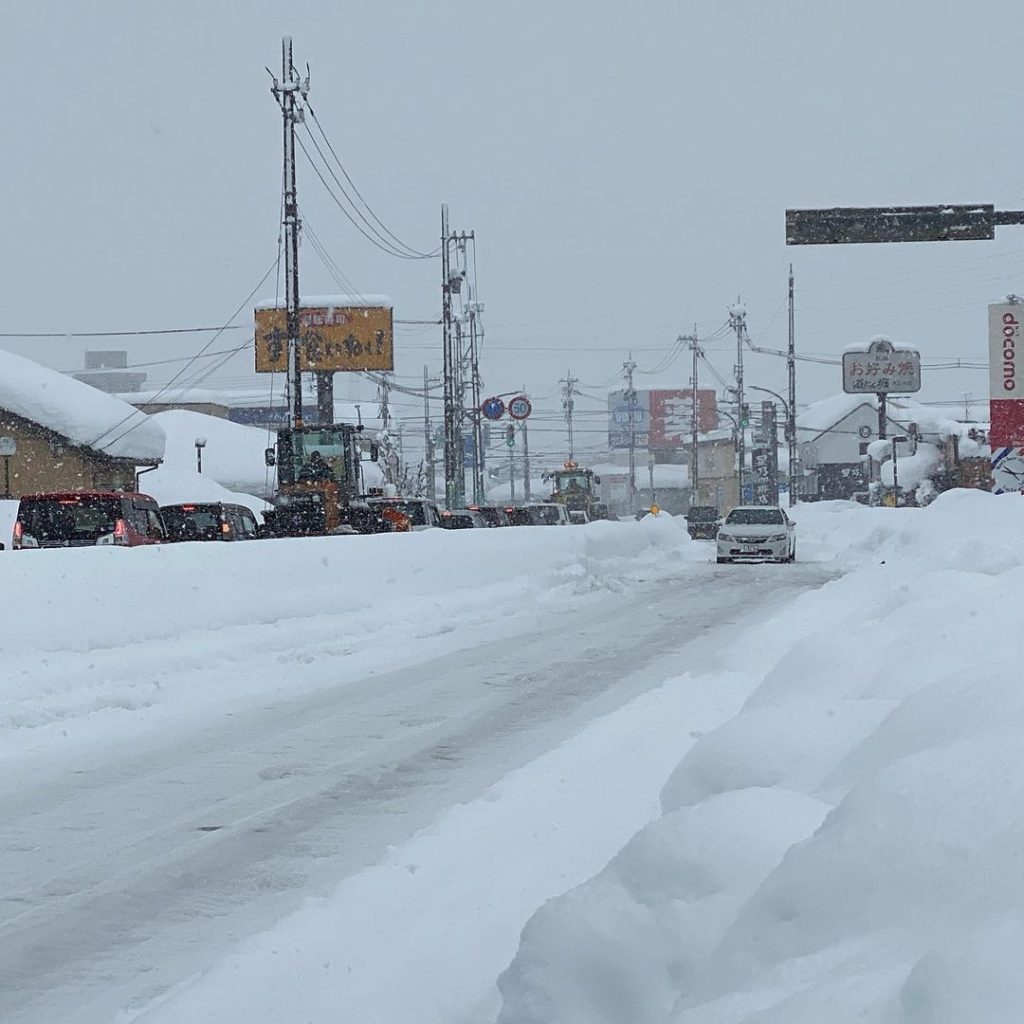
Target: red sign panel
[{"x": 671, "y": 416}]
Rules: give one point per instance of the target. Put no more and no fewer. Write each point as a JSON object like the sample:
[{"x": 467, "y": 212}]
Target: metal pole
[
  {"x": 883, "y": 415},
  {"x": 450, "y": 433},
  {"x": 737, "y": 319},
  {"x": 895, "y": 479},
  {"x": 629, "y": 366},
  {"x": 7, "y": 476},
  {"x": 526, "y": 460},
  {"x": 694, "y": 471},
  {"x": 791, "y": 408},
  {"x": 478, "y": 427},
  {"x": 511, "y": 474},
  {"x": 428, "y": 440},
  {"x": 285, "y": 92}
]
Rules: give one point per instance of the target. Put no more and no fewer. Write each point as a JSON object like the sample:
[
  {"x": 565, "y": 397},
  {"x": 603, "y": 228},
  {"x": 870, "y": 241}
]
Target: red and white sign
[
  {"x": 671, "y": 416},
  {"x": 1006, "y": 378},
  {"x": 519, "y": 408}
]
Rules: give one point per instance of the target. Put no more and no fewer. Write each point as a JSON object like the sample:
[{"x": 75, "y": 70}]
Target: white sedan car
[{"x": 762, "y": 532}]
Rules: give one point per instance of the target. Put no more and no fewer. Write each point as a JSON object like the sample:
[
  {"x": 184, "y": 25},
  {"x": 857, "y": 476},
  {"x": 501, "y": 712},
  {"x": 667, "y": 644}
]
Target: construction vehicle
[
  {"x": 577, "y": 490},
  {"x": 319, "y": 483}
]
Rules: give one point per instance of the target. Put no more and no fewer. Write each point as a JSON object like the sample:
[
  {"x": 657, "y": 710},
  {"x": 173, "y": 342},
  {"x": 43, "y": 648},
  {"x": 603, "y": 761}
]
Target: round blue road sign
[{"x": 493, "y": 408}]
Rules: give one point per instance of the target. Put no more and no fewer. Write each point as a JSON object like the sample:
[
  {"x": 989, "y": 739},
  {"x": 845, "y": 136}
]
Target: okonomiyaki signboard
[
  {"x": 342, "y": 332},
  {"x": 882, "y": 370}
]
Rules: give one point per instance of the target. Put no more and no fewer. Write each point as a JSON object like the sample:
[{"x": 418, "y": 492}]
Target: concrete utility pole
[
  {"x": 290, "y": 92},
  {"x": 569, "y": 383},
  {"x": 474, "y": 309},
  {"x": 791, "y": 407},
  {"x": 428, "y": 437},
  {"x": 694, "y": 470},
  {"x": 629, "y": 366},
  {"x": 527, "y": 494},
  {"x": 454, "y": 411},
  {"x": 738, "y": 322}
]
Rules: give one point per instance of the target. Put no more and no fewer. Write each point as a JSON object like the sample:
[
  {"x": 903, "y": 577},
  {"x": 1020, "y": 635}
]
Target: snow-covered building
[{"x": 57, "y": 433}]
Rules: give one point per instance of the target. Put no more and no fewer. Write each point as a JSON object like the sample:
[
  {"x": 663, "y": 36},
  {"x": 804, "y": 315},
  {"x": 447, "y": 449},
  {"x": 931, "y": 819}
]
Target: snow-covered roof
[
  {"x": 827, "y": 412},
  {"x": 77, "y": 411},
  {"x": 330, "y": 301}
]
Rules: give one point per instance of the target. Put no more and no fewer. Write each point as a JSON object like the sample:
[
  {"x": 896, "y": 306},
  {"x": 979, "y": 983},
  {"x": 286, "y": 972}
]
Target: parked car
[
  {"x": 703, "y": 521},
  {"x": 495, "y": 515},
  {"x": 75, "y": 519},
  {"x": 422, "y": 512},
  {"x": 462, "y": 519},
  {"x": 761, "y": 532},
  {"x": 538, "y": 513},
  {"x": 212, "y": 520}
]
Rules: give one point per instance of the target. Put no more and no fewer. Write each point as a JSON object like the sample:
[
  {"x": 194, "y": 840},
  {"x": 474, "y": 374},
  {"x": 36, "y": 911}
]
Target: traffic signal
[
  {"x": 510, "y": 435},
  {"x": 744, "y": 415}
]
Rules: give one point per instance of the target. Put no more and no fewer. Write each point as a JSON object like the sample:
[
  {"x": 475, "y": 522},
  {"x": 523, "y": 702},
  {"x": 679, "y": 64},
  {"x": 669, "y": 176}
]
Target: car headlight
[
  {"x": 777, "y": 536},
  {"x": 726, "y": 536}
]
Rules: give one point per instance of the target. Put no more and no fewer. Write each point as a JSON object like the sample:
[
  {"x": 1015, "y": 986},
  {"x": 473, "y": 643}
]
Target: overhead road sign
[{"x": 852, "y": 225}]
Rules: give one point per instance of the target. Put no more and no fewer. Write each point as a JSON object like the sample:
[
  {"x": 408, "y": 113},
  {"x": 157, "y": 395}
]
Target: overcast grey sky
[{"x": 626, "y": 168}]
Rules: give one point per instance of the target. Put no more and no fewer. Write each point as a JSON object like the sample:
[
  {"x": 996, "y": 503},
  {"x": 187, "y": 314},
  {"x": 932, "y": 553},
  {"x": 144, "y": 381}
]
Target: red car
[{"x": 74, "y": 519}]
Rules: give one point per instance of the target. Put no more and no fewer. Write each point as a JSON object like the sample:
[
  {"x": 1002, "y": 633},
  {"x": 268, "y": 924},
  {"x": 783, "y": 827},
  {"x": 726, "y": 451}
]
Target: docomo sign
[
  {"x": 1006, "y": 390},
  {"x": 882, "y": 370},
  {"x": 1003, "y": 338}
]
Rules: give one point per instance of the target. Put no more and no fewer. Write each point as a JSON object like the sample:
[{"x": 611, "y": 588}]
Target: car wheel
[{"x": 792, "y": 554}]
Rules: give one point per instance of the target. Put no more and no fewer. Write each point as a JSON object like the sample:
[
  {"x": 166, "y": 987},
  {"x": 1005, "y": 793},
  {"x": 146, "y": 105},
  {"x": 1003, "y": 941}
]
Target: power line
[{"x": 413, "y": 252}]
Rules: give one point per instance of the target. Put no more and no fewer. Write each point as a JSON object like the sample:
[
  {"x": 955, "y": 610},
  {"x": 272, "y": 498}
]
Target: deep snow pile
[
  {"x": 135, "y": 634},
  {"x": 847, "y": 847}
]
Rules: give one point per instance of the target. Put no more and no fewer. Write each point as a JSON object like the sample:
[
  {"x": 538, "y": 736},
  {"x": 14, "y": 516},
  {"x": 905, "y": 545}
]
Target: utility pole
[
  {"x": 791, "y": 408},
  {"x": 289, "y": 92},
  {"x": 526, "y": 459},
  {"x": 569, "y": 383},
  {"x": 694, "y": 470},
  {"x": 738, "y": 322},
  {"x": 474, "y": 309},
  {"x": 428, "y": 438},
  {"x": 629, "y": 366},
  {"x": 454, "y": 412}
]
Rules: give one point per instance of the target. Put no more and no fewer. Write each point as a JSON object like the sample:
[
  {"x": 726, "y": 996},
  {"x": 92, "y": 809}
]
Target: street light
[{"x": 200, "y": 445}]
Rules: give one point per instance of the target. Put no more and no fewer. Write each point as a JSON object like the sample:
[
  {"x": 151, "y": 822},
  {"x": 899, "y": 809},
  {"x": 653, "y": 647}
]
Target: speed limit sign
[{"x": 519, "y": 407}]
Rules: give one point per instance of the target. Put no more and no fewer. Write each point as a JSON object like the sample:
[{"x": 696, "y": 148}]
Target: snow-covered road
[{"x": 147, "y": 832}]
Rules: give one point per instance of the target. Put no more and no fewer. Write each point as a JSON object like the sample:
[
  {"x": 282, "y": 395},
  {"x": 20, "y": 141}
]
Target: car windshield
[
  {"x": 69, "y": 520},
  {"x": 702, "y": 514},
  {"x": 755, "y": 517},
  {"x": 192, "y": 522}
]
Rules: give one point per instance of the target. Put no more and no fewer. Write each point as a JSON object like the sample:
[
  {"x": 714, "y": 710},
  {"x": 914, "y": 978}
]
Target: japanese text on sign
[
  {"x": 330, "y": 338},
  {"x": 882, "y": 369}
]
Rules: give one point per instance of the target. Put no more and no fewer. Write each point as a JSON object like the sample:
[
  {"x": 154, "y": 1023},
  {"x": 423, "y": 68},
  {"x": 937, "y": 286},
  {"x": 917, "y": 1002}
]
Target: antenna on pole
[{"x": 289, "y": 92}]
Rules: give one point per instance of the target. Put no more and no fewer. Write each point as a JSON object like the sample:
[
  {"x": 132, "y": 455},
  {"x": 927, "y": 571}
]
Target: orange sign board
[{"x": 330, "y": 338}]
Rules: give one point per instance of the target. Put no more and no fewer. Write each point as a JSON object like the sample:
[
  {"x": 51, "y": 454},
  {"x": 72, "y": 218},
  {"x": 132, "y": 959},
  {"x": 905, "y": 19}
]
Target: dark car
[
  {"x": 209, "y": 520},
  {"x": 493, "y": 515},
  {"x": 77, "y": 519},
  {"x": 461, "y": 519},
  {"x": 702, "y": 522}
]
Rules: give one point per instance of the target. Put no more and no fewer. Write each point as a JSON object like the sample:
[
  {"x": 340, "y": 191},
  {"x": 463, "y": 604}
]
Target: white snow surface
[
  {"x": 233, "y": 455},
  {"x": 836, "y": 835},
  {"x": 77, "y": 411}
]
